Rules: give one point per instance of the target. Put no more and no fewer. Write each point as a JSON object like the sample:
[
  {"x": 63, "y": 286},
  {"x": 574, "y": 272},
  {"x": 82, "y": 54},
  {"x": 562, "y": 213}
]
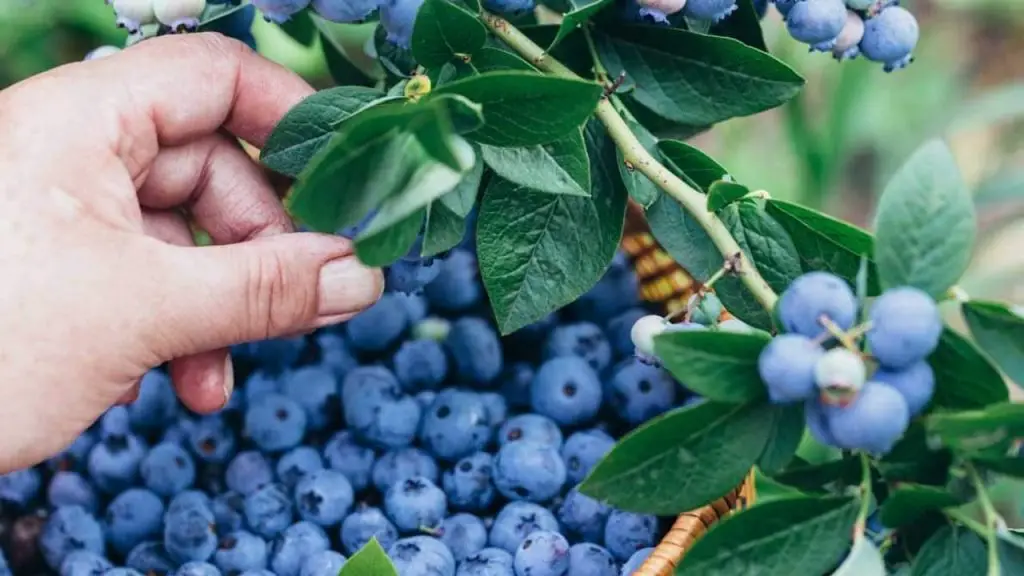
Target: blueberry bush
[{"x": 511, "y": 407}]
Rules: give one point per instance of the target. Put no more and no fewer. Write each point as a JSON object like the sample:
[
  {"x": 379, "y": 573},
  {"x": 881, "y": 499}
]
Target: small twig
[
  {"x": 732, "y": 265},
  {"x": 611, "y": 88},
  {"x": 865, "y": 498},
  {"x": 836, "y": 332}
]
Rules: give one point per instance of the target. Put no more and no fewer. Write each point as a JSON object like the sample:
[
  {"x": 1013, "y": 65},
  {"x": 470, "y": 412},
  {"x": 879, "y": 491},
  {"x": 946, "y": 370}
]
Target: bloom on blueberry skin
[
  {"x": 397, "y": 17},
  {"x": 817, "y": 22},
  {"x": 509, "y": 6},
  {"x": 132, "y": 15},
  {"x": 344, "y": 10},
  {"x": 905, "y": 327},
  {"x": 890, "y": 37},
  {"x": 179, "y": 15},
  {"x": 280, "y": 11},
  {"x": 709, "y": 10},
  {"x": 784, "y": 6},
  {"x": 846, "y": 47},
  {"x": 787, "y": 365},
  {"x": 814, "y": 295},
  {"x": 663, "y": 6},
  {"x": 916, "y": 383},
  {"x": 874, "y": 421}
]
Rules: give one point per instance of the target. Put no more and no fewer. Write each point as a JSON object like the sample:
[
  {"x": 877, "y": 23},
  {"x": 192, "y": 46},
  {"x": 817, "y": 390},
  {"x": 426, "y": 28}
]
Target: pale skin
[{"x": 100, "y": 281}]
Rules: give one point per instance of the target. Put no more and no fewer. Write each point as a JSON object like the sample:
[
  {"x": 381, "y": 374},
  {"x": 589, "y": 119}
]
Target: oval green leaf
[
  {"x": 908, "y": 502},
  {"x": 720, "y": 366},
  {"x": 559, "y": 167},
  {"x": 1000, "y": 332},
  {"x": 964, "y": 378},
  {"x": 444, "y": 31},
  {"x": 371, "y": 559},
  {"x": 952, "y": 551}
]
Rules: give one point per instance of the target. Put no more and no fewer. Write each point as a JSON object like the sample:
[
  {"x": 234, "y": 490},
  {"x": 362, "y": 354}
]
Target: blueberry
[
  {"x": 527, "y": 470},
  {"x": 709, "y": 10},
  {"x": 212, "y": 439},
  {"x": 20, "y": 486},
  {"x": 583, "y": 450},
  {"x": 268, "y": 510},
  {"x": 150, "y": 558},
  {"x": 257, "y": 573},
  {"x": 344, "y": 10},
  {"x": 847, "y": 44},
  {"x": 278, "y": 354},
  {"x": 613, "y": 294},
  {"x": 816, "y": 416},
  {"x": 197, "y": 569},
  {"x": 421, "y": 365},
  {"x": 377, "y": 411},
  {"x": 543, "y": 553},
  {"x": 134, "y": 516},
  {"x": 567, "y": 390},
  {"x": 516, "y": 521},
  {"x": 509, "y": 6},
  {"x": 316, "y": 390},
  {"x": 69, "y": 528},
  {"x": 425, "y": 399},
  {"x": 422, "y": 556},
  {"x": 496, "y": 406},
  {"x": 583, "y": 516},
  {"x": 115, "y": 423},
  {"x": 873, "y": 422},
  {"x": 532, "y": 428},
  {"x": 190, "y": 499},
  {"x": 487, "y": 562},
  {"x": 280, "y": 11},
  {"x": 638, "y": 392},
  {"x": 455, "y": 425},
  {"x": 587, "y": 559},
  {"x": 464, "y": 534},
  {"x": 228, "y": 512},
  {"x": 916, "y": 383},
  {"x": 415, "y": 503},
  {"x": 69, "y": 488},
  {"x": 817, "y": 22},
  {"x": 344, "y": 454},
  {"x": 167, "y": 469},
  {"x": 415, "y": 307},
  {"x": 297, "y": 543},
  {"x": 784, "y": 6},
  {"x": 296, "y": 463},
  {"x": 238, "y": 24},
  {"x": 636, "y": 561},
  {"x": 323, "y": 563},
  {"x": 905, "y": 327},
  {"x": 627, "y": 532},
  {"x": 114, "y": 463},
  {"x": 240, "y": 551},
  {"x": 157, "y": 405},
  {"x": 398, "y": 465},
  {"x": 82, "y": 563},
  {"x": 323, "y": 497},
  {"x": 75, "y": 455},
  {"x": 410, "y": 276},
  {"x": 189, "y": 535},
  {"x": 275, "y": 423},
  {"x": 260, "y": 384},
  {"x": 468, "y": 484},
  {"x": 476, "y": 350},
  {"x": 122, "y": 572},
  {"x": 335, "y": 354},
  {"x": 365, "y": 524},
  {"x": 456, "y": 287},
  {"x": 584, "y": 340},
  {"x": 787, "y": 366},
  {"x": 515, "y": 384},
  {"x": 620, "y": 332},
  {"x": 379, "y": 326},
  {"x": 890, "y": 37},
  {"x": 179, "y": 432},
  {"x": 817, "y": 294}
]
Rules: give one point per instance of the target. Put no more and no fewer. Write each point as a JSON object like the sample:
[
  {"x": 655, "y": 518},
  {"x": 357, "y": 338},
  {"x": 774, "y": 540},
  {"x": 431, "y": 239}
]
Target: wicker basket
[{"x": 664, "y": 281}]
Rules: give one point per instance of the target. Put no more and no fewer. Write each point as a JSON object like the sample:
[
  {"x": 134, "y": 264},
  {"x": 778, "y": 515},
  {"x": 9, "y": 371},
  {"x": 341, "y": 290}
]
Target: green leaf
[
  {"x": 442, "y": 229},
  {"x": 683, "y": 459},
  {"x": 526, "y": 109},
  {"x": 824, "y": 243},
  {"x": 723, "y": 193},
  {"x": 525, "y": 239},
  {"x": 490, "y": 59},
  {"x": 963, "y": 377},
  {"x": 1000, "y": 332},
  {"x": 343, "y": 71},
  {"x": 696, "y": 79},
  {"x": 720, "y": 366},
  {"x": 558, "y": 167},
  {"x": 370, "y": 560},
  {"x": 309, "y": 126},
  {"x": 641, "y": 189},
  {"x": 978, "y": 430},
  {"x": 1005, "y": 465},
  {"x": 819, "y": 477},
  {"x": 913, "y": 460},
  {"x": 783, "y": 439},
  {"x": 952, "y": 551},
  {"x": 300, "y": 27},
  {"x": 803, "y": 535},
  {"x": 925, "y": 223},
  {"x": 683, "y": 238},
  {"x": 579, "y": 12},
  {"x": 908, "y": 502},
  {"x": 743, "y": 25},
  {"x": 461, "y": 200},
  {"x": 381, "y": 245},
  {"x": 697, "y": 168},
  {"x": 864, "y": 560},
  {"x": 444, "y": 31},
  {"x": 397, "y": 62}
]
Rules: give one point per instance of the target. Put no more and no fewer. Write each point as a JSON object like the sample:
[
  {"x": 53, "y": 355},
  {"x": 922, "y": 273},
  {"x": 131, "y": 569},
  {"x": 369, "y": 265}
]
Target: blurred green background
[{"x": 833, "y": 148}]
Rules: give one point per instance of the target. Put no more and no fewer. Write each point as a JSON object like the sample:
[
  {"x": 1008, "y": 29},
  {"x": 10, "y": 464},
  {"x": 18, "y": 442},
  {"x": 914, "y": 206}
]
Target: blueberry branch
[
  {"x": 865, "y": 497},
  {"x": 991, "y": 518},
  {"x": 636, "y": 155}
]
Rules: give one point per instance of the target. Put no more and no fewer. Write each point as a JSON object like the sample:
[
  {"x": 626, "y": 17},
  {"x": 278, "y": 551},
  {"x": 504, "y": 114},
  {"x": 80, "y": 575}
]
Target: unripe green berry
[{"x": 644, "y": 331}]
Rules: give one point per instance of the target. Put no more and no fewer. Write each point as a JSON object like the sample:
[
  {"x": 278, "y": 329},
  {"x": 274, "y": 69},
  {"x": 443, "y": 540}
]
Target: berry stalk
[
  {"x": 991, "y": 519},
  {"x": 636, "y": 155}
]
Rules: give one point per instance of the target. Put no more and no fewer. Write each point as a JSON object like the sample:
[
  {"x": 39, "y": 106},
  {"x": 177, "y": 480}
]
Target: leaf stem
[
  {"x": 991, "y": 518},
  {"x": 865, "y": 497},
  {"x": 637, "y": 156}
]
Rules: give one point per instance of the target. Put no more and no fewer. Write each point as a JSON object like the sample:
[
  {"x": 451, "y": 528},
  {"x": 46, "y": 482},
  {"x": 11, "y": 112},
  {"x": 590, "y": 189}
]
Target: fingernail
[
  {"x": 229, "y": 379},
  {"x": 346, "y": 286}
]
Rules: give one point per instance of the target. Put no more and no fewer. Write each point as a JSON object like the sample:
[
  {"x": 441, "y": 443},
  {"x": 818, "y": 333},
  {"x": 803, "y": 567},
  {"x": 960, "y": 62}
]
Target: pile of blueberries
[
  {"x": 843, "y": 407},
  {"x": 414, "y": 423}
]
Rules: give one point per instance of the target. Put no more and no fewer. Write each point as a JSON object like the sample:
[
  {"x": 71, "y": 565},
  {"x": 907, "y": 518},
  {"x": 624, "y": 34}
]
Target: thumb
[{"x": 218, "y": 296}]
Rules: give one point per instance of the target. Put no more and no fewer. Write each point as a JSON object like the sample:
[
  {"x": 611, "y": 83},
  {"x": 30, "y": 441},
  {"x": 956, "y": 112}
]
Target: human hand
[{"x": 101, "y": 280}]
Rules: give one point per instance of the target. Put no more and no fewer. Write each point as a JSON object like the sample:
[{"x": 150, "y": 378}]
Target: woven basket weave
[{"x": 664, "y": 281}]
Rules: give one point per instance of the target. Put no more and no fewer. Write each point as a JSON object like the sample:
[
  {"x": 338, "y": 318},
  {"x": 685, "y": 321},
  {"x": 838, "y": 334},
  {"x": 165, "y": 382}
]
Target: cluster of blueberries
[
  {"x": 843, "y": 407},
  {"x": 414, "y": 423}
]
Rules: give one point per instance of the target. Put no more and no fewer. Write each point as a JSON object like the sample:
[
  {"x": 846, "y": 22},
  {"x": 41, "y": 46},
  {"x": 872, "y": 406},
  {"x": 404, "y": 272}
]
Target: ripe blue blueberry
[
  {"x": 323, "y": 563},
  {"x": 296, "y": 463},
  {"x": 509, "y": 6},
  {"x": 81, "y": 563},
  {"x": 464, "y": 535},
  {"x": 380, "y": 326},
  {"x": 487, "y": 562},
  {"x": 316, "y": 390},
  {"x": 915, "y": 382},
  {"x": 257, "y": 573},
  {"x": 335, "y": 354},
  {"x": 197, "y": 569},
  {"x": 247, "y": 472},
  {"x": 420, "y": 365},
  {"x": 815, "y": 294},
  {"x": 530, "y": 471},
  {"x": 121, "y": 571},
  {"x": 784, "y": 6},
  {"x": 376, "y": 410},
  {"x": 627, "y": 532},
  {"x": 410, "y": 276},
  {"x": 543, "y": 553},
  {"x": 567, "y": 390},
  {"x": 167, "y": 469},
  {"x": 114, "y": 463},
  {"x": 457, "y": 287},
  {"x": 69, "y": 488},
  {"x": 190, "y": 499},
  {"x": 275, "y": 423},
  {"x": 515, "y": 384},
  {"x": 365, "y": 524},
  {"x": 278, "y": 354},
  {"x": 189, "y": 535},
  {"x": 293, "y": 546},
  {"x": 588, "y": 559},
  {"x": 324, "y": 497},
  {"x": 516, "y": 521},
  {"x": 709, "y": 10},
  {"x": 179, "y": 15},
  {"x": 637, "y": 559},
  {"x": 613, "y": 294},
  {"x": 816, "y": 416},
  {"x": 115, "y": 422},
  {"x": 583, "y": 516},
  {"x": 240, "y": 551},
  {"x": 20, "y": 486},
  {"x": 817, "y": 22},
  {"x": 344, "y": 454},
  {"x": 583, "y": 450},
  {"x": 476, "y": 350},
  {"x": 846, "y": 47},
  {"x": 632, "y": 11},
  {"x": 583, "y": 340},
  {"x": 455, "y": 425},
  {"x": 422, "y": 556},
  {"x": 150, "y": 558},
  {"x": 497, "y": 408},
  {"x": 415, "y": 307},
  {"x": 69, "y": 528},
  {"x": 259, "y": 384},
  {"x": 468, "y": 484},
  {"x": 132, "y": 15},
  {"x": 638, "y": 392},
  {"x": 156, "y": 407},
  {"x": 74, "y": 456},
  {"x": 280, "y": 11},
  {"x": 394, "y": 466},
  {"x": 344, "y": 10},
  {"x": 133, "y": 516},
  {"x": 530, "y": 428},
  {"x": 873, "y": 422},
  {"x": 228, "y": 512},
  {"x": 787, "y": 365},
  {"x": 619, "y": 331},
  {"x": 905, "y": 327},
  {"x": 212, "y": 440},
  {"x": 890, "y": 37},
  {"x": 415, "y": 503},
  {"x": 268, "y": 510}
]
